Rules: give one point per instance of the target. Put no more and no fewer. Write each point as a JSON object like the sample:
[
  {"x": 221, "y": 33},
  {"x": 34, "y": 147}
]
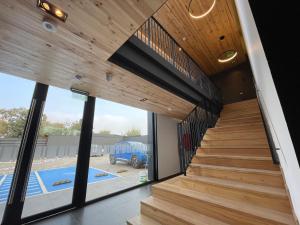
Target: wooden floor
[{"x": 231, "y": 180}]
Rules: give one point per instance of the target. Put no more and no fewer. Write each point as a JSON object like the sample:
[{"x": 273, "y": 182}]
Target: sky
[{"x": 63, "y": 106}]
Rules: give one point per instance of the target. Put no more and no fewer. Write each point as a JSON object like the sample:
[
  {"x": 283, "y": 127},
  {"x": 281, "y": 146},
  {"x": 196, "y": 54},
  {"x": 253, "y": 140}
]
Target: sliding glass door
[
  {"x": 16, "y": 94},
  {"x": 121, "y": 152},
  {"x": 53, "y": 169}
]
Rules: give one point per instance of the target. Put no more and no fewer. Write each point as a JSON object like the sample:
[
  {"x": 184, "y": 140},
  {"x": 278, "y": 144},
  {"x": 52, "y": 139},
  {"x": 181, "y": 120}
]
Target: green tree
[
  {"x": 3, "y": 128},
  {"x": 133, "y": 132},
  {"x": 104, "y": 132},
  {"x": 15, "y": 119}
]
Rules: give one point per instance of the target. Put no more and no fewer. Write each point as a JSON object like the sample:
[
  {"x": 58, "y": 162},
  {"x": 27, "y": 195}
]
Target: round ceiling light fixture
[
  {"x": 194, "y": 16},
  {"x": 227, "y": 56}
]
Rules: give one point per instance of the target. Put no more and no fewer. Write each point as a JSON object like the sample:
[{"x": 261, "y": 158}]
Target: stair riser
[
  {"x": 212, "y": 210},
  {"x": 241, "y": 163},
  {"x": 235, "y": 151},
  {"x": 258, "y": 198},
  {"x": 258, "y": 143},
  {"x": 259, "y": 134},
  {"x": 252, "y": 178},
  {"x": 243, "y": 114},
  {"x": 238, "y": 125},
  {"x": 160, "y": 216},
  {"x": 243, "y": 121},
  {"x": 243, "y": 128}
]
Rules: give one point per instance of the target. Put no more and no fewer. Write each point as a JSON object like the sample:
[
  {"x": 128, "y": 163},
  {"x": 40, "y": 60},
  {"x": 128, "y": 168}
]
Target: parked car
[{"x": 134, "y": 153}]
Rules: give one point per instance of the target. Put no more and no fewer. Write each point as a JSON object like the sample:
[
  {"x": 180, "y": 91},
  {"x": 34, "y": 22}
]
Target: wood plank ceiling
[
  {"x": 94, "y": 30},
  {"x": 200, "y": 38}
]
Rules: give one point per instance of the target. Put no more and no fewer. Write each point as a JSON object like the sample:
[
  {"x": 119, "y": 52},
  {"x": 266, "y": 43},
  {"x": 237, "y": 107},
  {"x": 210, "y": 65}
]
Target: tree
[
  {"x": 15, "y": 119},
  {"x": 104, "y": 132},
  {"x": 133, "y": 132},
  {"x": 3, "y": 128}
]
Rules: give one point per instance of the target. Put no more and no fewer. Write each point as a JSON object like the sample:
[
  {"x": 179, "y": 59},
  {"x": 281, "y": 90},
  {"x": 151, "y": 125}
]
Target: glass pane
[
  {"x": 121, "y": 153},
  {"x": 52, "y": 175},
  {"x": 15, "y": 97}
]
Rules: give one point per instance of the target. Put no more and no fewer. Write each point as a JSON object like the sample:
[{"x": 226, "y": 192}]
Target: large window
[
  {"x": 52, "y": 175},
  {"x": 121, "y": 151},
  {"x": 15, "y": 98}
]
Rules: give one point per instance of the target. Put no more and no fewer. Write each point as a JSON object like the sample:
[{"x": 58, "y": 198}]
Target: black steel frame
[{"x": 14, "y": 207}]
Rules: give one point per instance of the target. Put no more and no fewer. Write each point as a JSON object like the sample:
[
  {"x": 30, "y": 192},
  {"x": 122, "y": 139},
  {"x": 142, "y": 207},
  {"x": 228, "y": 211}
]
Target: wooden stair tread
[
  {"x": 142, "y": 220},
  {"x": 279, "y": 192},
  {"x": 243, "y": 207},
  {"x": 243, "y": 170},
  {"x": 259, "y": 158},
  {"x": 181, "y": 213}
]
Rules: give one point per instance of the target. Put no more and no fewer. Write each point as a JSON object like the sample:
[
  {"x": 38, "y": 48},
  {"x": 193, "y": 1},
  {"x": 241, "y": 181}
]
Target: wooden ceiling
[
  {"x": 94, "y": 30},
  {"x": 200, "y": 38}
]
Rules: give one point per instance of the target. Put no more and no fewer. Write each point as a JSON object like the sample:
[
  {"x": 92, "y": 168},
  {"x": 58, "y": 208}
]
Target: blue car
[{"x": 134, "y": 153}]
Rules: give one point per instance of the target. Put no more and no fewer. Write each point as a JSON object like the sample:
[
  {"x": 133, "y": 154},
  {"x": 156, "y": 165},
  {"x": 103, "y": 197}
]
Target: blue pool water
[
  {"x": 33, "y": 187},
  {"x": 50, "y": 176}
]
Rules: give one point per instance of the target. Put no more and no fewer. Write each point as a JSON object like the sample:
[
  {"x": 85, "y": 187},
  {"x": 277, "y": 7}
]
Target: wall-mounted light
[
  {"x": 78, "y": 91},
  {"x": 194, "y": 16},
  {"x": 227, "y": 56},
  {"x": 52, "y": 10}
]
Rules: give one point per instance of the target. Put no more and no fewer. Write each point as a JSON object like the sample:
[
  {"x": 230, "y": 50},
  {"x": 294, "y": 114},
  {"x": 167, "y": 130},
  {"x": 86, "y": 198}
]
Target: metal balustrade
[
  {"x": 154, "y": 36},
  {"x": 191, "y": 132}
]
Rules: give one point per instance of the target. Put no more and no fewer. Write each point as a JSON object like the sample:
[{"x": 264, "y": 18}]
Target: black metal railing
[
  {"x": 157, "y": 38},
  {"x": 191, "y": 132}
]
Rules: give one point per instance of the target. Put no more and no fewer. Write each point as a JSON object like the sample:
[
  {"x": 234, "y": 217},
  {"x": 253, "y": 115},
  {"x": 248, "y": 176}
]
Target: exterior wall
[
  {"x": 167, "y": 147},
  {"x": 270, "y": 103}
]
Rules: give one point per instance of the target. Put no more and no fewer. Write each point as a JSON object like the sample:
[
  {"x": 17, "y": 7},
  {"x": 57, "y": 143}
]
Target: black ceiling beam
[{"x": 141, "y": 60}]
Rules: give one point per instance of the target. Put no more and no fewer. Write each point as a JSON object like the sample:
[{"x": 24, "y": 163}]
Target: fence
[{"x": 63, "y": 146}]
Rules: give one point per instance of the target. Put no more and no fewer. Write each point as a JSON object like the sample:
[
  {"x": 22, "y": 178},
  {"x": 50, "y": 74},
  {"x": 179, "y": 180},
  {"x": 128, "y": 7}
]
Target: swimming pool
[{"x": 41, "y": 182}]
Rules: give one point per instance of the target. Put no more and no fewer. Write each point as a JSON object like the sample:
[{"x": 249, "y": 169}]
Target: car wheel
[
  {"x": 112, "y": 160},
  {"x": 135, "y": 163}
]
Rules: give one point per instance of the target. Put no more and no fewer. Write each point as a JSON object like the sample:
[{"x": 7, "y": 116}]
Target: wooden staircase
[{"x": 231, "y": 181}]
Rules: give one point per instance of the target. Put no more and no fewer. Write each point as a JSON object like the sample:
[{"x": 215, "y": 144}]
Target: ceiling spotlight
[
  {"x": 203, "y": 14},
  {"x": 109, "y": 76},
  {"x": 169, "y": 109},
  {"x": 227, "y": 56},
  {"x": 52, "y": 10},
  {"x": 143, "y": 99}
]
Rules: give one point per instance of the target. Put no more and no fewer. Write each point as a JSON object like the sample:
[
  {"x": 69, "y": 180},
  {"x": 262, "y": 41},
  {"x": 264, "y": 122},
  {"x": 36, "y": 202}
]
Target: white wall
[
  {"x": 167, "y": 147},
  {"x": 270, "y": 102}
]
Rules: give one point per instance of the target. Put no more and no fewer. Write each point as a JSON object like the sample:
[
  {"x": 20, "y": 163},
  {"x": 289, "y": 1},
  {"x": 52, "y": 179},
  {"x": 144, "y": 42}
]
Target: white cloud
[{"x": 118, "y": 124}]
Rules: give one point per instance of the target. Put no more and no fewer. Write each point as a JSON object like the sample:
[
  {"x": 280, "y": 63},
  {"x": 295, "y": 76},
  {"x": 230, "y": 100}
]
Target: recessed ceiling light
[
  {"x": 52, "y": 10},
  {"x": 184, "y": 38},
  {"x": 227, "y": 56},
  {"x": 203, "y": 14},
  {"x": 179, "y": 49},
  {"x": 169, "y": 109}
]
